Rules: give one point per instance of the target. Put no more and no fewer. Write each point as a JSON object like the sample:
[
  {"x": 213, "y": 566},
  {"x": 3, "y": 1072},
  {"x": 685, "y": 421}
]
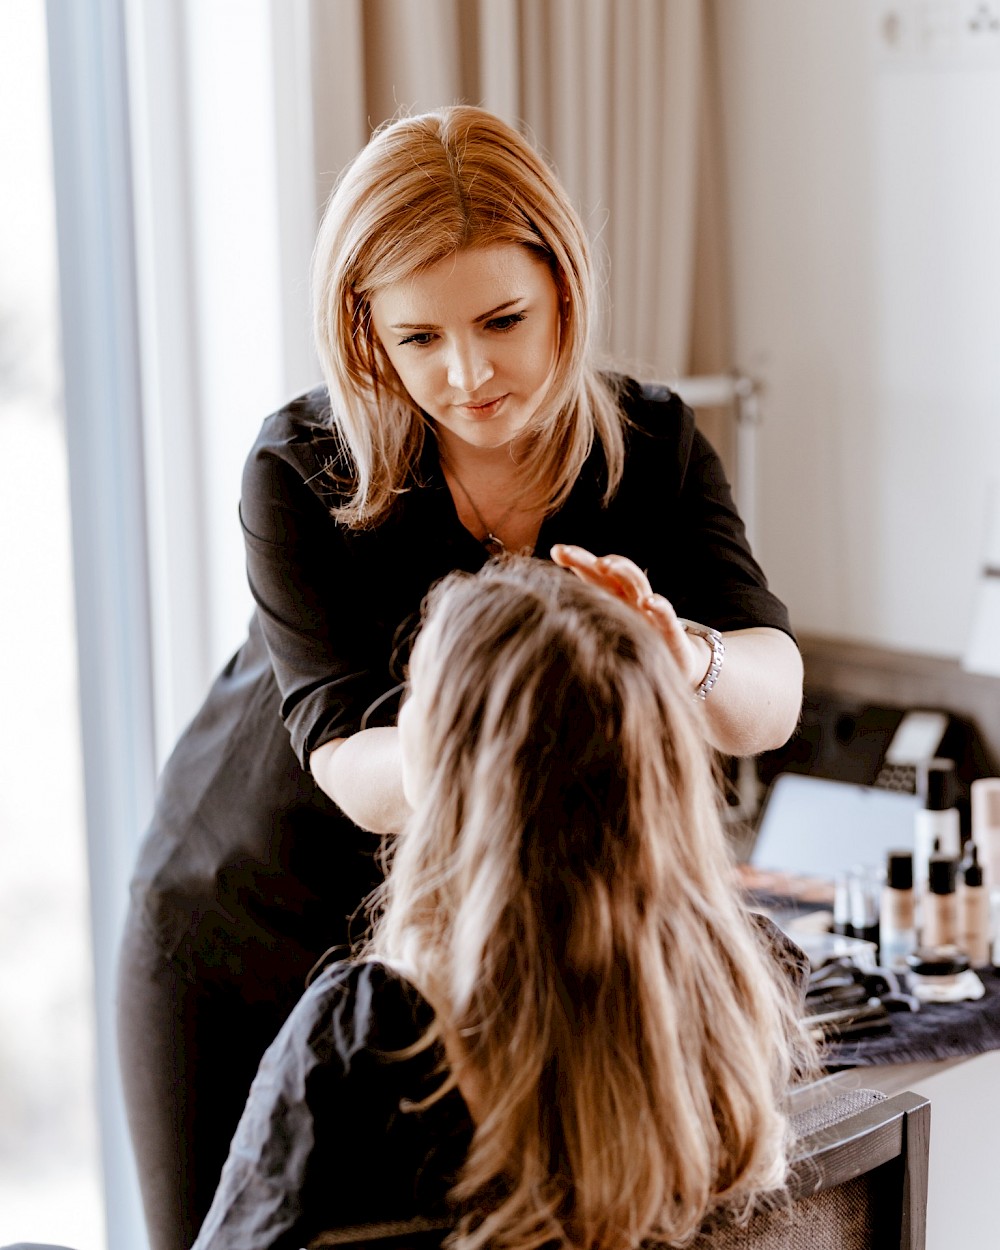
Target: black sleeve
[
  {"x": 326, "y": 644},
  {"x": 727, "y": 588}
]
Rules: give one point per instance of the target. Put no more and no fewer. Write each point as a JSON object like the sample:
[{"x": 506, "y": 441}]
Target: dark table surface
[{"x": 936, "y": 1031}]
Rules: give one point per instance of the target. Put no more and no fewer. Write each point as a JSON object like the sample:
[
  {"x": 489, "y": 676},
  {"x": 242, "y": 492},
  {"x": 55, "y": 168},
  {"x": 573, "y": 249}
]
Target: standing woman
[{"x": 462, "y": 413}]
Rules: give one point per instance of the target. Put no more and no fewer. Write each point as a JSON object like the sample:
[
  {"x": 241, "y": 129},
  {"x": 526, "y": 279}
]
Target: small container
[
  {"x": 897, "y": 918},
  {"x": 973, "y": 910},
  {"x": 940, "y": 904},
  {"x": 942, "y": 975},
  {"x": 937, "y": 961}
]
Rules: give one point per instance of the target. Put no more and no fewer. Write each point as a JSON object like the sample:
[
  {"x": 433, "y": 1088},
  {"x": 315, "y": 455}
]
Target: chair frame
[
  {"x": 893, "y": 1128},
  {"x": 889, "y": 1129}
]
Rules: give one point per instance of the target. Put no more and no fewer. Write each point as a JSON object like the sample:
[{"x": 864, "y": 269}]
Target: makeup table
[
  {"x": 964, "y": 1091},
  {"x": 963, "y": 1085},
  {"x": 950, "y": 1054}
]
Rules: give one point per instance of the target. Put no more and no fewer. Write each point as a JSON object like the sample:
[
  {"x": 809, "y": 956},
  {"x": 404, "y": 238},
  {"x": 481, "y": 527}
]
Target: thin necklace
[{"x": 493, "y": 543}]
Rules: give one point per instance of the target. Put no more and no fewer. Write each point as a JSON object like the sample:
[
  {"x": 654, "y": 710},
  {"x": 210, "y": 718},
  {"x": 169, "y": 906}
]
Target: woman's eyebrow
[{"x": 410, "y": 325}]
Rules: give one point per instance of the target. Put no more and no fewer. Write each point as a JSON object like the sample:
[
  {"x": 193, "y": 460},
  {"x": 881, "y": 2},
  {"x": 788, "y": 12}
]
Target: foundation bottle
[
  {"x": 985, "y": 795},
  {"x": 897, "y": 919},
  {"x": 940, "y": 903},
  {"x": 937, "y": 819},
  {"x": 973, "y": 910}
]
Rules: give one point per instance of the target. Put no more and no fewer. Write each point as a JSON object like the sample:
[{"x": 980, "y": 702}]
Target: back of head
[
  {"x": 423, "y": 188},
  {"x": 564, "y": 896}
]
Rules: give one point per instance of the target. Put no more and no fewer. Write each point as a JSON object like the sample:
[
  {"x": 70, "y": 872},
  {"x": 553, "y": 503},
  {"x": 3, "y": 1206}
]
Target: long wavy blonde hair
[
  {"x": 564, "y": 898},
  {"x": 423, "y": 188}
]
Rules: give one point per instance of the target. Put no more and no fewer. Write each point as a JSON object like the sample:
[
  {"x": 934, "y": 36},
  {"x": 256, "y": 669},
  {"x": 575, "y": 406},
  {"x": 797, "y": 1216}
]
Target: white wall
[{"x": 864, "y": 174}]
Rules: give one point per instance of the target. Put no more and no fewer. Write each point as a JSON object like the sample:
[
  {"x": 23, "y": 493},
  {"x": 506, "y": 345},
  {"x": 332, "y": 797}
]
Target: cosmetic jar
[{"x": 941, "y": 974}]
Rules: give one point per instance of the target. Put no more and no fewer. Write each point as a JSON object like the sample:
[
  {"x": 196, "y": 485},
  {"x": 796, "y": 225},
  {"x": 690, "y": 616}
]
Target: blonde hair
[
  {"x": 564, "y": 898},
  {"x": 423, "y": 188}
]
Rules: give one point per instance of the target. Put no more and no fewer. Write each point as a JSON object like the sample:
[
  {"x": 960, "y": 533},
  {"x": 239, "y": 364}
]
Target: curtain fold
[{"x": 620, "y": 95}]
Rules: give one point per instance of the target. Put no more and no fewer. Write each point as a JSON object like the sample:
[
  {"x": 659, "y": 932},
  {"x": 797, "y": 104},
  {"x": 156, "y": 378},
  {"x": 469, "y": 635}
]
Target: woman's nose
[{"x": 468, "y": 368}]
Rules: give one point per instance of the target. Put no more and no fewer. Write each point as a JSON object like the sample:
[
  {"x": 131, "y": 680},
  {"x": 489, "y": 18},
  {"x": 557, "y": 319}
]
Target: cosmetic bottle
[
  {"x": 973, "y": 910},
  {"x": 985, "y": 802},
  {"x": 986, "y": 827},
  {"x": 897, "y": 918},
  {"x": 864, "y": 890},
  {"x": 940, "y": 903},
  {"x": 995, "y": 926},
  {"x": 842, "y": 906},
  {"x": 938, "y": 818},
  {"x": 919, "y": 894}
]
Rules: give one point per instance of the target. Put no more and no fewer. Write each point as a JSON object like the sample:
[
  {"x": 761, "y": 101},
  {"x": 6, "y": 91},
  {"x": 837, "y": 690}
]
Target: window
[{"x": 50, "y": 1178}]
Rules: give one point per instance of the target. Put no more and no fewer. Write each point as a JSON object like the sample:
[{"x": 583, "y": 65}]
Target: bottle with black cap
[
  {"x": 973, "y": 910},
  {"x": 938, "y": 818},
  {"x": 940, "y": 904},
  {"x": 897, "y": 920}
]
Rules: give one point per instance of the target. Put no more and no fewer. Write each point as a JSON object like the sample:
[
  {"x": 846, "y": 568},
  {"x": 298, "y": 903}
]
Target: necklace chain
[{"x": 493, "y": 543}]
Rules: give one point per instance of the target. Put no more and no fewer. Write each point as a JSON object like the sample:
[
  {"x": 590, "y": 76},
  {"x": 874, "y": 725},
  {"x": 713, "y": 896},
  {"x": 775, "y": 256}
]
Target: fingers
[
  {"x": 616, "y": 574},
  {"x": 661, "y": 612},
  {"x": 622, "y": 578},
  {"x": 661, "y": 615}
]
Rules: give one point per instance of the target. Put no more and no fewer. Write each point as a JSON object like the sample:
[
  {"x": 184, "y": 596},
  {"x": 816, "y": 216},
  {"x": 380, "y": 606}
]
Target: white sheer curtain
[{"x": 618, "y": 93}]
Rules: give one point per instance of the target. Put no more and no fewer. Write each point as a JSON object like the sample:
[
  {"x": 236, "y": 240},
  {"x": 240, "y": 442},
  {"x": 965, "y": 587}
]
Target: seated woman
[{"x": 564, "y": 1026}]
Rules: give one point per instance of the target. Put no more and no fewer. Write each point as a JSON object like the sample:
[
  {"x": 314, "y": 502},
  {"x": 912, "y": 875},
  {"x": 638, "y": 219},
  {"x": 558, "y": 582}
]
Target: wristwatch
[{"x": 714, "y": 640}]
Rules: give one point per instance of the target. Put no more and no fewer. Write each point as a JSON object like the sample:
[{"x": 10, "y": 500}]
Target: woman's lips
[{"x": 486, "y": 409}]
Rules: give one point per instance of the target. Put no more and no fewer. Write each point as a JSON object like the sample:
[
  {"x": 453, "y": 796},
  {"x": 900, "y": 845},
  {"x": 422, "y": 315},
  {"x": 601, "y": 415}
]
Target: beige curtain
[{"x": 622, "y": 97}]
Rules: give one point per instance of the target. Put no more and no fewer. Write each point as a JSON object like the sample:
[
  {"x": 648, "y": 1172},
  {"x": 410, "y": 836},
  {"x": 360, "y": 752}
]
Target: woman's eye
[
  {"x": 507, "y": 322},
  {"x": 420, "y": 339}
]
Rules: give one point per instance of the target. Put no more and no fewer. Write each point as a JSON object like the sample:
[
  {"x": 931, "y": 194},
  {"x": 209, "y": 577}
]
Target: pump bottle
[
  {"x": 940, "y": 903},
  {"x": 973, "y": 910},
  {"x": 985, "y": 796},
  {"x": 897, "y": 921},
  {"x": 938, "y": 818}
]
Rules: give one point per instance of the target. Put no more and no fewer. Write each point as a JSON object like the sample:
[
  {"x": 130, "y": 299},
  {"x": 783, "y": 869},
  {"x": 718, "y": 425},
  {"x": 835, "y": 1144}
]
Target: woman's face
[{"x": 474, "y": 339}]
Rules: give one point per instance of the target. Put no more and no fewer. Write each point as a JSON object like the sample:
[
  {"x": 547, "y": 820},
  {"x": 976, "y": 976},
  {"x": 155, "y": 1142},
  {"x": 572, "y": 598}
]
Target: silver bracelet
[{"x": 714, "y": 640}]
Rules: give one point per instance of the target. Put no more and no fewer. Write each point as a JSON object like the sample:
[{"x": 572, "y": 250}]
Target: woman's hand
[
  {"x": 755, "y": 704},
  {"x": 620, "y": 577}
]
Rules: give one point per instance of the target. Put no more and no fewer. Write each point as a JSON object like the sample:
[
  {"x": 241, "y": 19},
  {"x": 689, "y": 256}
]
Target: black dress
[{"x": 248, "y": 871}]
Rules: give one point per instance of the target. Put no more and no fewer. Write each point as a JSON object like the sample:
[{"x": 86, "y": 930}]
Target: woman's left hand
[
  {"x": 756, "y": 705},
  {"x": 620, "y": 577}
]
